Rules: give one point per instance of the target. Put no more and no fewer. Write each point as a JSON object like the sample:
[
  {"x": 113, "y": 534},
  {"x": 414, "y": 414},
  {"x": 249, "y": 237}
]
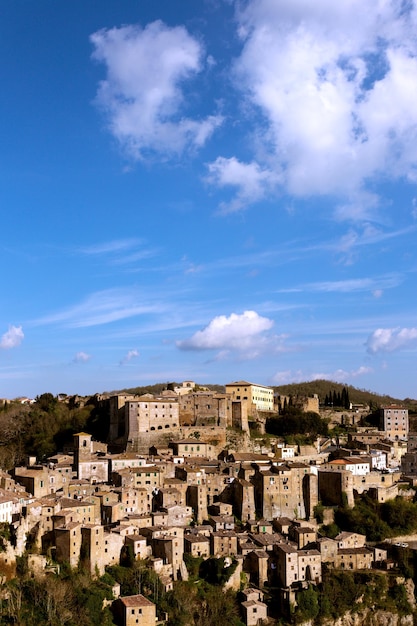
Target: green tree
[
  {"x": 46, "y": 402},
  {"x": 308, "y": 604}
]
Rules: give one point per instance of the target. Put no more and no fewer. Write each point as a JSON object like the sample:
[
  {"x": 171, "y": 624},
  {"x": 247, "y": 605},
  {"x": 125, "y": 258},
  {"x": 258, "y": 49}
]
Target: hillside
[{"x": 357, "y": 396}]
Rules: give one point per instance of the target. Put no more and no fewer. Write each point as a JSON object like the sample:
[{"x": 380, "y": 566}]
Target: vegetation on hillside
[
  {"x": 351, "y": 592},
  {"x": 326, "y": 387},
  {"x": 376, "y": 520},
  {"x": 71, "y": 598},
  {"x": 41, "y": 429},
  {"x": 295, "y": 422},
  {"x": 159, "y": 387}
]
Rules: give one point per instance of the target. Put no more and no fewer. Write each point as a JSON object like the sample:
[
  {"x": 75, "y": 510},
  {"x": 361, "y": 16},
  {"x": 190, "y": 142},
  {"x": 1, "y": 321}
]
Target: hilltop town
[{"x": 192, "y": 476}]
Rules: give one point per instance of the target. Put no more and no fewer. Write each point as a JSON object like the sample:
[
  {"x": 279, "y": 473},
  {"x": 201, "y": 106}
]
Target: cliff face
[{"x": 371, "y": 618}]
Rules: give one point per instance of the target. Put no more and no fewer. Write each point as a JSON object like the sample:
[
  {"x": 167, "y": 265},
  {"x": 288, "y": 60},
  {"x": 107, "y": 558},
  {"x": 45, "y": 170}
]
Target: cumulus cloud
[
  {"x": 245, "y": 333},
  {"x": 12, "y": 338},
  {"x": 391, "y": 339},
  {"x": 81, "y": 357},
  {"x": 249, "y": 179},
  {"x": 336, "y": 84},
  {"x": 143, "y": 93},
  {"x": 132, "y": 354}
]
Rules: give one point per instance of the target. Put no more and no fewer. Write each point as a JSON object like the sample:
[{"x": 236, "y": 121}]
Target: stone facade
[
  {"x": 135, "y": 611},
  {"x": 283, "y": 490},
  {"x": 393, "y": 419},
  {"x": 259, "y": 397}
]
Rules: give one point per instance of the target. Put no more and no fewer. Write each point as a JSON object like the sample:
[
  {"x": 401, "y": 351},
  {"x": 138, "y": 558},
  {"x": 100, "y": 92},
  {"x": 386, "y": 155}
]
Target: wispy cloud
[
  {"x": 110, "y": 247},
  {"x": 350, "y": 285},
  {"x": 102, "y": 307},
  {"x": 391, "y": 339},
  {"x": 120, "y": 251},
  {"x": 339, "y": 375},
  {"x": 142, "y": 94},
  {"x": 12, "y": 338}
]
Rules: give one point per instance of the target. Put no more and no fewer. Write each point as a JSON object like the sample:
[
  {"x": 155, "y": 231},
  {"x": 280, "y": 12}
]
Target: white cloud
[
  {"x": 246, "y": 334},
  {"x": 102, "y": 307},
  {"x": 132, "y": 354},
  {"x": 414, "y": 208},
  {"x": 120, "y": 251},
  {"x": 111, "y": 247},
  {"x": 391, "y": 339},
  {"x": 336, "y": 84},
  {"x": 339, "y": 375},
  {"x": 12, "y": 338},
  {"x": 251, "y": 181},
  {"x": 142, "y": 94},
  {"x": 287, "y": 376},
  {"x": 81, "y": 357},
  {"x": 373, "y": 285},
  {"x": 342, "y": 375}
]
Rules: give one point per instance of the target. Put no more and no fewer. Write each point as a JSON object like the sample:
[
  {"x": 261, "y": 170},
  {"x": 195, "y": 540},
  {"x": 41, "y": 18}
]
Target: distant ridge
[
  {"x": 324, "y": 387},
  {"x": 320, "y": 387},
  {"x": 157, "y": 388}
]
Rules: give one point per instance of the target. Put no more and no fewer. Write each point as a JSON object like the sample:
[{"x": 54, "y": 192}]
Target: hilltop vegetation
[
  {"x": 324, "y": 387},
  {"x": 159, "y": 387},
  {"x": 41, "y": 429}
]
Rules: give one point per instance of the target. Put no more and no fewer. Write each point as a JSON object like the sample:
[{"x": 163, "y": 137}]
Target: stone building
[
  {"x": 333, "y": 483},
  {"x": 254, "y": 610},
  {"x": 197, "y": 545},
  {"x": 354, "y": 558},
  {"x": 148, "y": 419},
  {"x": 223, "y": 543},
  {"x": 297, "y": 565},
  {"x": 393, "y": 419},
  {"x": 196, "y": 498},
  {"x": 89, "y": 464},
  {"x": 259, "y": 397},
  {"x": 39, "y": 480},
  {"x": 134, "y": 611},
  {"x": 193, "y": 448},
  {"x": 285, "y": 490},
  {"x": 205, "y": 408},
  {"x": 116, "y": 408},
  {"x": 409, "y": 459}
]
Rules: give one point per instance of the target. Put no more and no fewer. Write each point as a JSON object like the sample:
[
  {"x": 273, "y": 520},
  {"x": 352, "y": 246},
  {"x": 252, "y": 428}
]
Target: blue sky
[{"x": 208, "y": 190}]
